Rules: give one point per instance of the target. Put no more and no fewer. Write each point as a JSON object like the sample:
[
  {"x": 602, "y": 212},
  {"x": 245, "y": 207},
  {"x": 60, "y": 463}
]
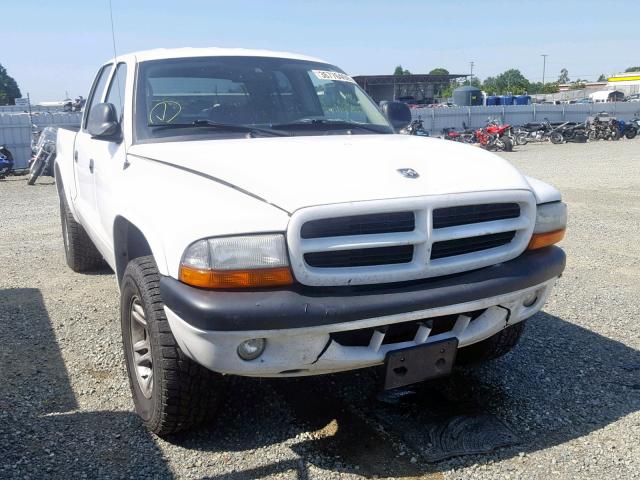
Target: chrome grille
[{"x": 384, "y": 241}]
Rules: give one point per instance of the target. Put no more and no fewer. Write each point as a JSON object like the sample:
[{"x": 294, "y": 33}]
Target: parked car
[{"x": 263, "y": 219}]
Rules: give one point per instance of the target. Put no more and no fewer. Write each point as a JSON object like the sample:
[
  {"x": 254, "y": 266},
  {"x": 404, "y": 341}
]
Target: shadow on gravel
[
  {"x": 42, "y": 434},
  {"x": 99, "y": 271},
  {"x": 562, "y": 382}
]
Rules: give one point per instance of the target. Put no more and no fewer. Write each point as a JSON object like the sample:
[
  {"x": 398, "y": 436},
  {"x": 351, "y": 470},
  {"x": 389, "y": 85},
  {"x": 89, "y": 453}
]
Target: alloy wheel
[{"x": 141, "y": 347}]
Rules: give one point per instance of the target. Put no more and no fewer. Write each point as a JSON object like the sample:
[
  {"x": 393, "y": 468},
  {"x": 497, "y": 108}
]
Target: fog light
[
  {"x": 530, "y": 299},
  {"x": 251, "y": 349}
]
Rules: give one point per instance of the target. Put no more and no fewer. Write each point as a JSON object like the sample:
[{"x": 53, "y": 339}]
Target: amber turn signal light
[
  {"x": 541, "y": 240},
  {"x": 221, "y": 279}
]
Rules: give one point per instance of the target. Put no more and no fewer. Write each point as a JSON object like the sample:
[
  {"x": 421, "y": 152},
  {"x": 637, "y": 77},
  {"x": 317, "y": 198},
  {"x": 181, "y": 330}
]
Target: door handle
[
  {"x": 75, "y": 156},
  {"x": 91, "y": 165}
]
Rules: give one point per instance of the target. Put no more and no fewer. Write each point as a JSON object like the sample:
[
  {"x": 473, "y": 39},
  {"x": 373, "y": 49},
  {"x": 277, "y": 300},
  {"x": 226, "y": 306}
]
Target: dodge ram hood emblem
[{"x": 408, "y": 172}]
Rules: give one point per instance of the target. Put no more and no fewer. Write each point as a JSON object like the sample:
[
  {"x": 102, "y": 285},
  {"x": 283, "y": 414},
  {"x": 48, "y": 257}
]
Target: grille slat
[
  {"x": 359, "y": 225},
  {"x": 468, "y": 214},
  {"x": 360, "y": 258},
  {"x": 450, "y": 248}
]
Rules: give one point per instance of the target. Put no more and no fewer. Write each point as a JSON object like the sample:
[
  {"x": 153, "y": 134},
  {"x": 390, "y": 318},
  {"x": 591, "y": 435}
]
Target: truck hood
[{"x": 296, "y": 172}]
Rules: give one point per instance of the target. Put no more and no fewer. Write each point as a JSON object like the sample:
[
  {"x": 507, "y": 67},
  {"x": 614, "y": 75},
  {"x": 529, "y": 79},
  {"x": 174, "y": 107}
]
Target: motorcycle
[
  {"x": 493, "y": 138},
  {"x": 602, "y": 127},
  {"x": 6, "y": 162},
  {"x": 539, "y": 132},
  {"x": 574, "y": 132},
  {"x": 505, "y": 130},
  {"x": 450, "y": 133},
  {"x": 628, "y": 130},
  {"x": 42, "y": 160},
  {"x": 415, "y": 128}
]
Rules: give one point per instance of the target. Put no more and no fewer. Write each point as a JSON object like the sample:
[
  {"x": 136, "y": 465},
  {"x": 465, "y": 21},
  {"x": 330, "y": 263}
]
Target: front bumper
[{"x": 301, "y": 324}]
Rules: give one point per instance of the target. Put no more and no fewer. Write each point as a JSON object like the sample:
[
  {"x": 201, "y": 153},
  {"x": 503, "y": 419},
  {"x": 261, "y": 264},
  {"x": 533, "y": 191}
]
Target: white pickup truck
[{"x": 263, "y": 219}]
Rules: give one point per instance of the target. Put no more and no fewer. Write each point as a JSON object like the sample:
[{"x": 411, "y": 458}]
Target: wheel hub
[{"x": 141, "y": 347}]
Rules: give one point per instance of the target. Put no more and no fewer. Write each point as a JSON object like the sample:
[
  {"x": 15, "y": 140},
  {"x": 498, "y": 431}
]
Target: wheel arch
[{"x": 129, "y": 243}]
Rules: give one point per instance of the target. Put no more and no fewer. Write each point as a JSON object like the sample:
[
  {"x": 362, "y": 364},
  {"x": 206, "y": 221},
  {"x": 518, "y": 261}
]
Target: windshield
[{"x": 227, "y": 97}]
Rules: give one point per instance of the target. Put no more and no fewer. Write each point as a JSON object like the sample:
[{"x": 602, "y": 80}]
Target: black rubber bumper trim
[{"x": 307, "y": 307}]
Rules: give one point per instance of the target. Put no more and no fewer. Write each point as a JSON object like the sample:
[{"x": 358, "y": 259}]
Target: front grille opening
[
  {"x": 399, "y": 332},
  {"x": 450, "y": 248},
  {"x": 359, "y": 225},
  {"x": 360, "y": 257},
  {"x": 468, "y": 214}
]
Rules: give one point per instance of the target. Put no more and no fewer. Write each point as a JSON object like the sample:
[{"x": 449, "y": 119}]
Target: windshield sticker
[{"x": 328, "y": 75}]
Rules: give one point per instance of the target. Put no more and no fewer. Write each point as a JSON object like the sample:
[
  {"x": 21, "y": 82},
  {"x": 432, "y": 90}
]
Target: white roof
[
  {"x": 602, "y": 94},
  {"x": 160, "y": 53}
]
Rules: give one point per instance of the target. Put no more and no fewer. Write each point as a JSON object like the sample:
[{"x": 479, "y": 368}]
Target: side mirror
[
  {"x": 397, "y": 113},
  {"x": 103, "y": 122}
]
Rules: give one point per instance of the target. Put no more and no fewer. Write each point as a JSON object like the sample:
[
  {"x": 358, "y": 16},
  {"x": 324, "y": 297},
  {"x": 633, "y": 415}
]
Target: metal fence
[
  {"x": 16, "y": 130},
  {"x": 435, "y": 119},
  {"x": 34, "y": 109}
]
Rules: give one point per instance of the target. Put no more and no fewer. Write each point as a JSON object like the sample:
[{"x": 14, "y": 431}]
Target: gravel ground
[{"x": 565, "y": 403}]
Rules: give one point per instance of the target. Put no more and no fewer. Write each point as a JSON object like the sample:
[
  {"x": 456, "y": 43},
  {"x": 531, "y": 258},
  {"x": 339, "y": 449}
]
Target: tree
[
  {"x": 578, "y": 84},
  {"x": 474, "y": 82},
  {"x": 439, "y": 71},
  {"x": 602, "y": 78},
  {"x": 9, "y": 90},
  {"x": 401, "y": 71},
  {"x": 511, "y": 81},
  {"x": 632, "y": 69},
  {"x": 564, "y": 76}
]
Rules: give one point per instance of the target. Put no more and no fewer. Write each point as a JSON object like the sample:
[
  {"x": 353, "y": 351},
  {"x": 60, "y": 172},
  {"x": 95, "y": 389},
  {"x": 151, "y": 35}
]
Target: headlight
[
  {"x": 551, "y": 223},
  {"x": 237, "y": 262}
]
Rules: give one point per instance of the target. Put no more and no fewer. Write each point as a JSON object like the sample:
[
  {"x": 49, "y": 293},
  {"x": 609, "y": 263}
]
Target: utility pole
[
  {"x": 30, "y": 114},
  {"x": 544, "y": 66},
  {"x": 471, "y": 76}
]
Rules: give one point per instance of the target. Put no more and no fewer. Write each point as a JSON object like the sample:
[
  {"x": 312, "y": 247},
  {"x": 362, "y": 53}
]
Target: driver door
[{"x": 83, "y": 156}]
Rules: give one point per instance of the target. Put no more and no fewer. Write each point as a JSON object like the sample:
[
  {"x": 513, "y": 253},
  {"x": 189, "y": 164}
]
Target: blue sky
[{"x": 52, "y": 47}]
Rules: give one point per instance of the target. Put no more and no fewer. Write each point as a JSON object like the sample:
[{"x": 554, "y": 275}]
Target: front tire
[
  {"x": 631, "y": 133},
  {"x": 35, "y": 171},
  {"x": 556, "y": 138},
  {"x": 491, "y": 348},
  {"x": 170, "y": 391},
  {"x": 521, "y": 139}
]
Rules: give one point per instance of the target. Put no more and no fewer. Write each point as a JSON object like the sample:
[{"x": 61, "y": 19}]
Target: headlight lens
[
  {"x": 551, "y": 217},
  {"x": 237, "y": 262},
  {"x": 551, "y": 223}
]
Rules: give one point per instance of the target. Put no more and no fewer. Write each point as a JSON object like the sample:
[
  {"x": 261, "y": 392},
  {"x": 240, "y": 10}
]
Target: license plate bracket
[{"x": 419, "y": 363}]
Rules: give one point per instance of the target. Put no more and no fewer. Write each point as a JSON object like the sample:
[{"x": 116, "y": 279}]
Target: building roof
[
  {"x": 405, "y": 79},
  {"x": 625, "y": 77}
]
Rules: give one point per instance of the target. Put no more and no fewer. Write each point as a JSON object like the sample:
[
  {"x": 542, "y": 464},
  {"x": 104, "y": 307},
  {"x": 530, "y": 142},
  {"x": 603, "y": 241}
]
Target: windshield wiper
[
  {"x": 229, "y": 127},
  {"x": 314, "y": 122}
]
